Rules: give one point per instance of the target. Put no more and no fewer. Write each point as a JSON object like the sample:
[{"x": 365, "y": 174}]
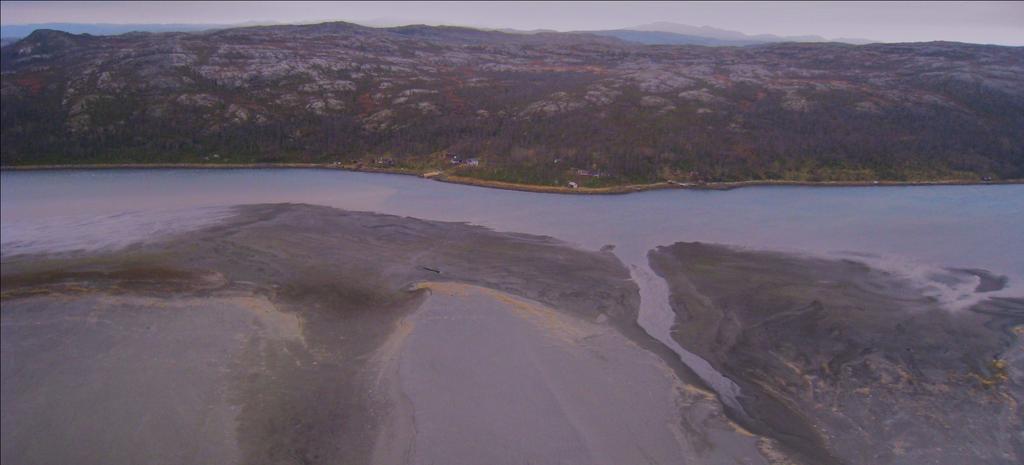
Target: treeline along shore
[{"x": 554, "y": 189}]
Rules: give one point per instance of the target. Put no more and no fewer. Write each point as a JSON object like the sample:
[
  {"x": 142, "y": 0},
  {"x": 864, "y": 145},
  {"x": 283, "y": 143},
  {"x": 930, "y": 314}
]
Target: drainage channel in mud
[{"x": 656, "y": 318}]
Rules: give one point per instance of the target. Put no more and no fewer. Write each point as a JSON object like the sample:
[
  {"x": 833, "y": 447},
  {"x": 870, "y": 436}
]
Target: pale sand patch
[
  {"x": 396, "y": 437},
  {"x": 555, "y": 323},
  {"x": 140, "y": 379},
  {"x": 483, "y": 376}
]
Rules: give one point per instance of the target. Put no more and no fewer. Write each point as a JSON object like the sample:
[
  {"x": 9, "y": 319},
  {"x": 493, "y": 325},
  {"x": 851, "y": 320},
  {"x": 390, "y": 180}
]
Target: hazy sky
[{"x": 982, "y": 22}]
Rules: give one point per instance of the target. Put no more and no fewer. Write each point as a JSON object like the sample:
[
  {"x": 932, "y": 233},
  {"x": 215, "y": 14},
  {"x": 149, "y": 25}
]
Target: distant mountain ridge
[
  {"x": 728, "y": 37},
  {"x": 654, "y": 33},
  {"x": 535, "y": 108},
  {"x": 667, "y": 33},
  {"x": 105, "y": 29},
  {"x": 722, "y": 34},
  {"x": 670, "y": 38}
]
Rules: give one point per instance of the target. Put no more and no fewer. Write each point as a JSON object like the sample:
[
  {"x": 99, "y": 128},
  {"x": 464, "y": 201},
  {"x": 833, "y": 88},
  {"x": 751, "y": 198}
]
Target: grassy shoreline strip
[{"x": 623, "y": 189}]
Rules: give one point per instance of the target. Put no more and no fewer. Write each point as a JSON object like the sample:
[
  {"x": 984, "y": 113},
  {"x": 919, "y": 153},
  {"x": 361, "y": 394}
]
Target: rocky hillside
[{"x": 532, "y": 108}]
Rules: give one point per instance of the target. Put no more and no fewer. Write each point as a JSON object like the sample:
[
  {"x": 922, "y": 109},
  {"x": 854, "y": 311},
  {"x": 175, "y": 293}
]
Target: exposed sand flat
[
  {"x": 486, "y": 377},
  {"x": 97, "y": 379}
]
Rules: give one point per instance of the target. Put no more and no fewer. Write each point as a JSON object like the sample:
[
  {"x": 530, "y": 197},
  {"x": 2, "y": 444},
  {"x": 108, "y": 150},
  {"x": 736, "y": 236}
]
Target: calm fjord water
[{"x": 910, "y": 230}]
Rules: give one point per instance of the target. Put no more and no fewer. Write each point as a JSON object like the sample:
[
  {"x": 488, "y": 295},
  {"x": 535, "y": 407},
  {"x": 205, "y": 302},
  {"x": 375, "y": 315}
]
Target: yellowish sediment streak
[
  {"x": 566, "y": 328},
  {"x": 386, "y": 357}
]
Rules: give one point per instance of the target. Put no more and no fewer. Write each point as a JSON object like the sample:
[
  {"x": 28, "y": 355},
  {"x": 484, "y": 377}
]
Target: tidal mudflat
[
  {"x": 281, "y": 333},
  {"x": 854, "y": 357},
  {"x": 295, "y": 333}
]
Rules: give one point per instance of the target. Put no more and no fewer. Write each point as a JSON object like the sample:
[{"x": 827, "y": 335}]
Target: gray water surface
[{"x": 931, "y": 226}]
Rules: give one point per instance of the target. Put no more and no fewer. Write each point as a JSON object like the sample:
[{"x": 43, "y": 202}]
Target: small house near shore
[
  {"x": 590, "y": 173},
  {"x": 455, "y": 160}
]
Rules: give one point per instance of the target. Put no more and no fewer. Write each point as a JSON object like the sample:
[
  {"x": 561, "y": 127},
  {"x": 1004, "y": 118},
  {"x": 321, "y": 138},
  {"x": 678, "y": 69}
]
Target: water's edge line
[{"x": 454, "y": 179}]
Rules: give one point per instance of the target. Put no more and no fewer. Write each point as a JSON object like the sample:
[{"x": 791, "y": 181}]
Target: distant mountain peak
[{"x": 734, "y": 36}]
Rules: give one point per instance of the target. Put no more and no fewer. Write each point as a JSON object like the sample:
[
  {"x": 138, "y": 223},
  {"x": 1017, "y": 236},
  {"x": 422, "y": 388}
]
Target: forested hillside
[{"x": 535, "y": 108}]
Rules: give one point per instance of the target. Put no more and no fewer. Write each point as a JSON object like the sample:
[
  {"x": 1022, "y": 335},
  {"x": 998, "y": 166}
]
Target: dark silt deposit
[
  {"x": 835, "y": 353},
  {"x": 292, "y": 333}
]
